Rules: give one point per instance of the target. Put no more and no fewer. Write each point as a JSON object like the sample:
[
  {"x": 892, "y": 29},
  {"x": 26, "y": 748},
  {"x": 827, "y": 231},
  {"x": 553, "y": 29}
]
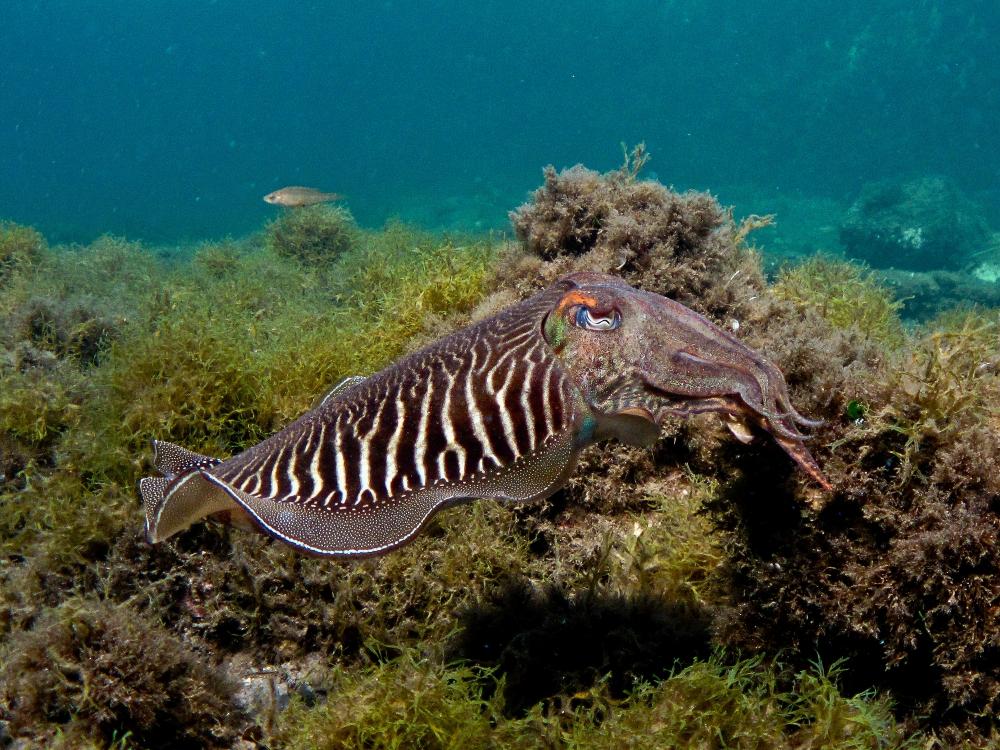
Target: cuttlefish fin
[
  {"x": 172, "y": 460},
  {"x": 317, "y": 530},
  {"x": 342, "y": 386},
  {"x": 182, "y": 496},
  {"x": 173, "y": 504}
]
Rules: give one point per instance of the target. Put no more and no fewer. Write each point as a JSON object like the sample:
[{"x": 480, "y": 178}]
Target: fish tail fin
[{"x": 182, "y": 496}]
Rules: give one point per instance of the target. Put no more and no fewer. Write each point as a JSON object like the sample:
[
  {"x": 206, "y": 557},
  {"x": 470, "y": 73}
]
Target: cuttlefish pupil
[{"x": 500, "y": 409}]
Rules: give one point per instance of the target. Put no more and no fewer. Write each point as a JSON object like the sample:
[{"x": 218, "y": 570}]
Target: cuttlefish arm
[{"x": 500, "y": 409}]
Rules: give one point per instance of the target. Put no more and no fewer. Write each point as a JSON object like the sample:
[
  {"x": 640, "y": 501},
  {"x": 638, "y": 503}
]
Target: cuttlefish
[{"x": 500, "y": 409}]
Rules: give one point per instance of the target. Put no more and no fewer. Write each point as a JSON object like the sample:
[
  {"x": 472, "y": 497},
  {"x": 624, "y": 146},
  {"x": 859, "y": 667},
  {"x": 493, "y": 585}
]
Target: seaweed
[
  {"x": 845, "y": 295},
  {"x": 20, "y": 248},
  {"x": 79, "y": 331},
  {"x": 749, "y": 704},
  {"x": 219, "y": 259},
  {"x": 897, "y": 570},
  {"x": 239, "y": 592},
  {"x": 189, "y": 381},
  {"x": 871, "y": 572},
  {"x": 407, "y": 702},
  {"x": 39, "y": 397},
  {"x": 684, "y": 246},
  {"x": 61, "y": 525},
  {"x": 97, "y": 672},
  {"x": 313, "y": 235},
  {"x": 40, "y": 400},
  {"x": 392, "y": 291}
]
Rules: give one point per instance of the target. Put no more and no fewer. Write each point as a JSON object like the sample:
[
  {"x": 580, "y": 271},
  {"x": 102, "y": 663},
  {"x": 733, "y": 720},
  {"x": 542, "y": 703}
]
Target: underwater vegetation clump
[
  {"x": 924, "y": 224},
  {"x": 578, "y": 210},
  {"x": 897, "y": 571},
  {"x": 91, "y": 671},
  {"x": 205, "y": 395},
  {"x": 39, "y": 400},
  {"x": 78, "y": 330},
  {"x": 397, "y": 286},
  {"x": 216, "y": 359},
  {"x": 407, "y": 702},
  {"x": 845, "y": 295},
  {"x": 683, "y": 246},
  {"x": 313, "y": 235},
  {"x": 20, "y": 247},
  {"x": 678, "y": 245},
  {"x": 236, "y": 593}
]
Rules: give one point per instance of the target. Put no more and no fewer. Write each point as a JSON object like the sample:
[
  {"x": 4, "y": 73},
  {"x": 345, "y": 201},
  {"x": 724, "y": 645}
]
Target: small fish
[{"x": 295, "y": 197}]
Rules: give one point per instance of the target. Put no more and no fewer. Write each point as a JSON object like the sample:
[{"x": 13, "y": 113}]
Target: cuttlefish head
[{"x": 638, "y": 358}]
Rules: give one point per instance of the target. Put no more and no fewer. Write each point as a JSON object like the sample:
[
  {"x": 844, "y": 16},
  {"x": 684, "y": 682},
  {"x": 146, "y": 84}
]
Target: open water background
[{"x": 167, "y": 121}]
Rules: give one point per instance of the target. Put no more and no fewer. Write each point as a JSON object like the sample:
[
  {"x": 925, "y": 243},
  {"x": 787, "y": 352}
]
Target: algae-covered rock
[
  {"x": 313, "y": 235},
  {"x": 99, "y": 672},
  {"x": 682, "y": 245},
  {"x": 897, "y": 570},
  {"x": 921, "y": 224},
  {"x": 926, "y": 294},
  {"x": 578, "y": 211},
  {"x": 78, "y": 330}
]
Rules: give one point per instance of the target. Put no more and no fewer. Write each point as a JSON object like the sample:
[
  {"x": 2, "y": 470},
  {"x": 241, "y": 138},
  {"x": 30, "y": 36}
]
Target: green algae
[
  {"x": 210, "y": 360},
  {"x": 20, "y": 248},
  {"x": 391, "y": 288},
  {"x": 407, "y": 702},
  {"x": 845, "y": 295},
  {"x": 314, "y": 235},
  {"x": 896, "y": 569},
  {"x": 670, "y": 551},
  {"x": 946, "y": 384},
  {"x": 213, "y": 361},
  {"x": 915, "y": 524},
  {"x": 36, "y": 406}
]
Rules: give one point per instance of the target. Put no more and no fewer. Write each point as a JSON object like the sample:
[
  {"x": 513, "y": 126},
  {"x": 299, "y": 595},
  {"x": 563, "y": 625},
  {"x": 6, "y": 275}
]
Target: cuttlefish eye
[{"x": 587, "y": 319}]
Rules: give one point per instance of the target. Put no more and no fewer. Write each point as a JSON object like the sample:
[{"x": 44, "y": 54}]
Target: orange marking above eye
[{"x": 575, "y": 297}]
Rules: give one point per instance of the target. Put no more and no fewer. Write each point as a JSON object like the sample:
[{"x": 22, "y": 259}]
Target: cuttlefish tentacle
[{"x": 500, "y": 409}]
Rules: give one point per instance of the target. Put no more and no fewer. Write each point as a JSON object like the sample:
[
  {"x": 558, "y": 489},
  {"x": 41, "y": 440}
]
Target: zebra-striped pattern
[{"x": 461, "y": 410}]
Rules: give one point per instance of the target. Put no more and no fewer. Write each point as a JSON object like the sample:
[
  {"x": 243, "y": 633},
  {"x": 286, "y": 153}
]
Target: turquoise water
[{"x": 168, "y": 121}]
